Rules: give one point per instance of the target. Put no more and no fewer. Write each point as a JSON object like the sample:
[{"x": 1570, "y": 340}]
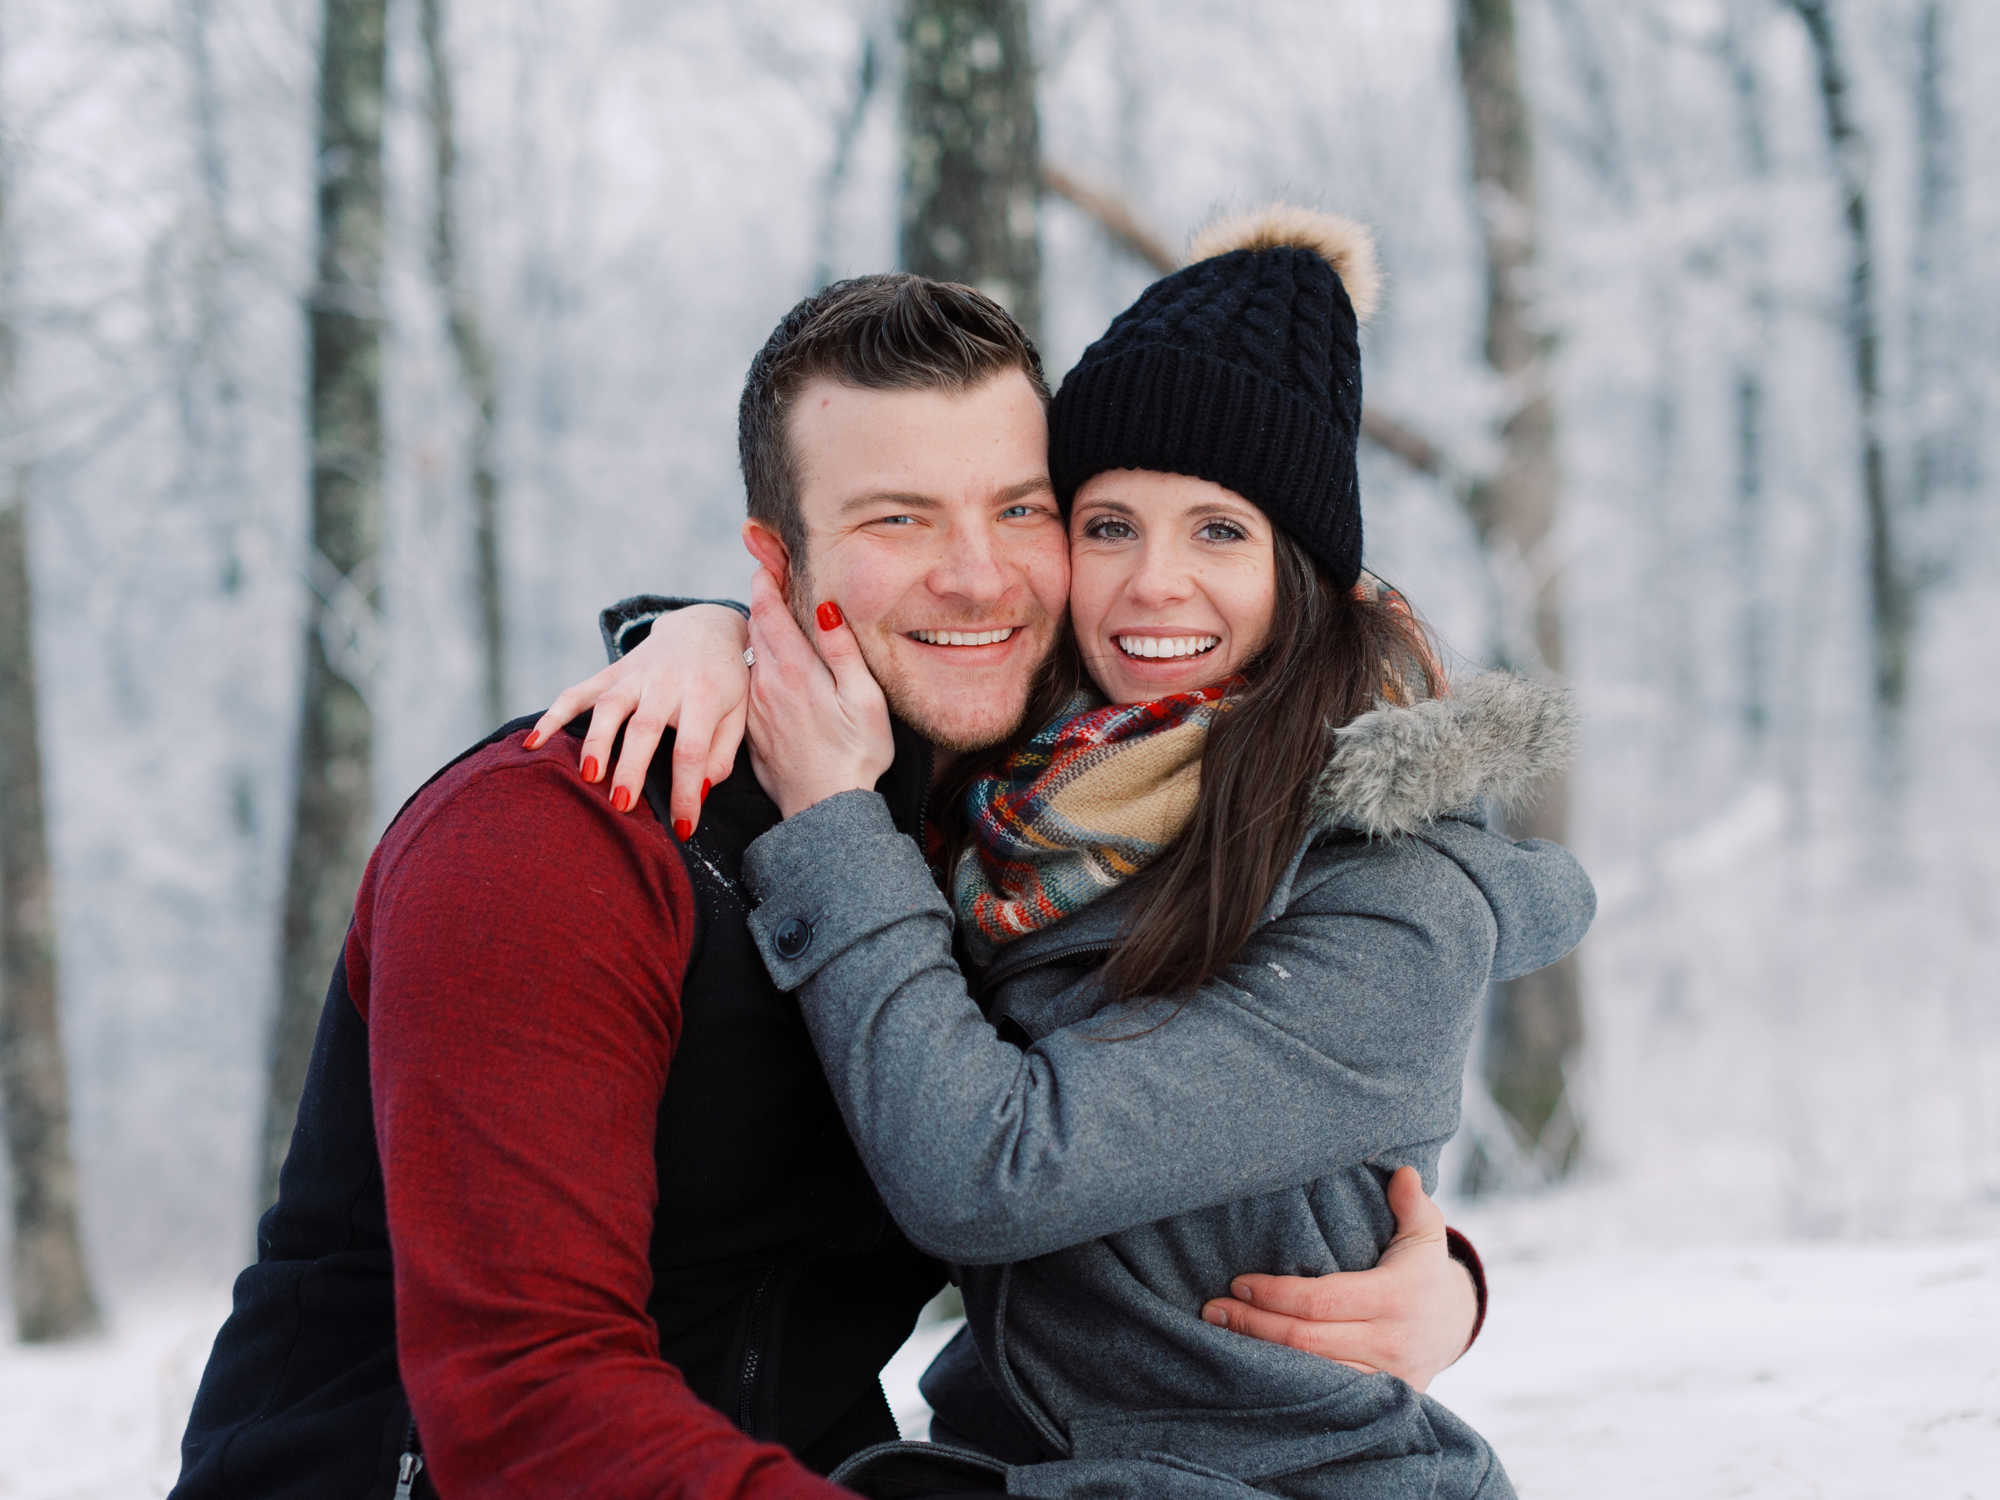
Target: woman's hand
[
  {"x": 688, "y": 674},
  {"x": 818, "y": 723}
]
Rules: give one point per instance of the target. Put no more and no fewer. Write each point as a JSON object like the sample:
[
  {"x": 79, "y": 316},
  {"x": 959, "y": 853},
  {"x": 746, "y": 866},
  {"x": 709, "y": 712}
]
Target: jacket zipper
[
  {"x": 999, "y": 972},
  {"x": 753, "y": 1356},
  {"x": 411, "y": 1464},
  {"x": 924, "y": 803}
]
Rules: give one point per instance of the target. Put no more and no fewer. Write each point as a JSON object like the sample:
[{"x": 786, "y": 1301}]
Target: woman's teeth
[
  {"x": 962, "y": 637},
  {"x": 1172, "y": 645}
]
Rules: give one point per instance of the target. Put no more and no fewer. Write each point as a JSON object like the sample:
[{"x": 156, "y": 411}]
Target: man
[{"x": 634, "y": 1251}]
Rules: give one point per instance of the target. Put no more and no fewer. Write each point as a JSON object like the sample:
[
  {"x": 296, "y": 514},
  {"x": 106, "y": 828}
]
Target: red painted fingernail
[
  {"x": 683, "y": 829},
  {"x": 704, "y": 791},
  {"x": 533, "y": 741},
  {"x": 590, "y": 768},
  {"x": 829, "y": 616},
  {"x": 621, "y": 798}
]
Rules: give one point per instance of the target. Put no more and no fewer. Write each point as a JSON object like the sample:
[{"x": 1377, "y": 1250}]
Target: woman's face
[{"x": 1172, "y": 582}]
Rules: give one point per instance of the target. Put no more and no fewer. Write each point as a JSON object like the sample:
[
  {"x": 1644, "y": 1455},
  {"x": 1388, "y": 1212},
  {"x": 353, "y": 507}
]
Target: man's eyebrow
[
  {"x": 906, "y": 499},
  {"x": 911, "y": 500},
  {"x": 1039, "y": 485}
]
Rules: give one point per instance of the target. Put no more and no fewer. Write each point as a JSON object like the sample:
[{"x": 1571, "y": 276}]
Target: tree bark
[
  {"x": 971, "y": 150},
  {"x": 1750, "y": 389},
  {"x": 475, "y": 356},
  {"x": 334, "y": 810},
  {"x": 52, "y": 1295},
  {"x": 1536, "y": 1025},
  {"x": 1890, "y": 598}
]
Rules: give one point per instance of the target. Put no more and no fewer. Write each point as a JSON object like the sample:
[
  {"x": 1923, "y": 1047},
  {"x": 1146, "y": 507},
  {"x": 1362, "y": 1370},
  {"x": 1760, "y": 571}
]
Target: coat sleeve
[
  {"x": 522, "y": 1017},
  {"x": 1338, "y": 1033}
]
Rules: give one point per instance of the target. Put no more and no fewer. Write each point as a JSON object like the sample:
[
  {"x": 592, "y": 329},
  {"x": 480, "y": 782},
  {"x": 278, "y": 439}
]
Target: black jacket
[{"x": 783, "y": 1327}]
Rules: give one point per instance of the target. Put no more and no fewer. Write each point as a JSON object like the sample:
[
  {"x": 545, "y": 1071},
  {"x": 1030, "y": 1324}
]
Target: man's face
[{"x": 930, "y": 522}]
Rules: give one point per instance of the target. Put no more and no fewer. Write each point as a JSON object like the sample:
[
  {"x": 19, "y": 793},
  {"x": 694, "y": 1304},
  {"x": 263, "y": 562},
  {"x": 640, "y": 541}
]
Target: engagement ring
[{"x": 749, "y": 656}]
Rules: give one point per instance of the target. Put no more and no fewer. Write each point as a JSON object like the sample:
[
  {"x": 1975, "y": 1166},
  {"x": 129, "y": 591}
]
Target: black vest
[{"x": 780, "y": 1285}]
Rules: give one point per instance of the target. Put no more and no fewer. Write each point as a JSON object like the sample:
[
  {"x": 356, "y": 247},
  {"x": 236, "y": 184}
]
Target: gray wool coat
[{"x": 1096, "y": 1188}]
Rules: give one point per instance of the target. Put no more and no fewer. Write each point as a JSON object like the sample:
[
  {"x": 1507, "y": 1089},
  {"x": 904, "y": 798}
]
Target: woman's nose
[{"x": 1161, "y": 577}]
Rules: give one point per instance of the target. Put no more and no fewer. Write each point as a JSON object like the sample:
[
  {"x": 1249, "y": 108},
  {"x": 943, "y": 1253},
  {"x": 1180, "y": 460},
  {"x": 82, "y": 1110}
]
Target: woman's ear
[{"x": 768, "y": 548}]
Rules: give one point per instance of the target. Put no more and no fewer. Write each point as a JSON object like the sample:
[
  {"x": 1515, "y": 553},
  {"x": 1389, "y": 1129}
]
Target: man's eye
[
  {"x": 1016, "y": 512},
  {"x": 895, "y": 521}
]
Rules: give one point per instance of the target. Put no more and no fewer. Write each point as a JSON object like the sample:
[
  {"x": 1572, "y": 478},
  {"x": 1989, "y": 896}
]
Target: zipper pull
[{"x": 406, "y": 1474}]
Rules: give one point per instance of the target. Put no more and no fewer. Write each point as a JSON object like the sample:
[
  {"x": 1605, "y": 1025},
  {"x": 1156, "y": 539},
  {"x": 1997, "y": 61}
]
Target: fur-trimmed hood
[{"x": 1494, "y": 737}]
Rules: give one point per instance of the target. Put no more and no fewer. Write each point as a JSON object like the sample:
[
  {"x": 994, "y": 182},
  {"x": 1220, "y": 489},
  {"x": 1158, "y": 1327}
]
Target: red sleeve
[
  {"x": 518, "y": 951},
  {"x": 1460, "y": 1250}
]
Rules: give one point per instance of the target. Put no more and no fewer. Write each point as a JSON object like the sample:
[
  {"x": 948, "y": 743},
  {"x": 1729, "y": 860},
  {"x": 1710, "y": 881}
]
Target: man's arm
[
  {"x": 521, "y": 1024},
  {"x": 1414, "y": 1314}
]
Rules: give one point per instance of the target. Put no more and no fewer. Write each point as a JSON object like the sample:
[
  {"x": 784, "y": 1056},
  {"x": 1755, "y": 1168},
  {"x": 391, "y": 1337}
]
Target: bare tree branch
[{"x": 1114, "y": 216}]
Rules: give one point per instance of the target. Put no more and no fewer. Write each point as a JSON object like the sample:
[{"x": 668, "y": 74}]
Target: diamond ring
[{"x": 749, "y": 656}]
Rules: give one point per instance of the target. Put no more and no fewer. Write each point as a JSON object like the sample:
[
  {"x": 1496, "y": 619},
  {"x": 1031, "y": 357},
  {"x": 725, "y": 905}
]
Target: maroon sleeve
[
  {"x": 518, "y": 951},
  {"x": 1460, "y": 1249}
]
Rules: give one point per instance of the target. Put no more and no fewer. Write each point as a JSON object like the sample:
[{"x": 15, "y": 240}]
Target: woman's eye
[
  {"x": 1221, "y": 531},
  {"x": 1110, "y": 531}
]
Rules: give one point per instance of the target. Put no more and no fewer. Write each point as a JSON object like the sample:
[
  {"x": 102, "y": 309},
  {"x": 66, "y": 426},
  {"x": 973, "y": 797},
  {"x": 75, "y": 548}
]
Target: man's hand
[
  {"x": 688, "y": 675},
  {"x": 1411, "y": 1316}
]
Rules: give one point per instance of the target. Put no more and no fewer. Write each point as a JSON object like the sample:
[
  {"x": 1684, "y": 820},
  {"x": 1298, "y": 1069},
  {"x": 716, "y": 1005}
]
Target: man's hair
[{"x": 877, "y": 333}]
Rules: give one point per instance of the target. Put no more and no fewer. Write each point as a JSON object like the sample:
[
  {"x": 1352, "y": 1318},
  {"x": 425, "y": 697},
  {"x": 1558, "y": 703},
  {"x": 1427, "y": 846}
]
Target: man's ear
[{"x": 768, "y": 548}]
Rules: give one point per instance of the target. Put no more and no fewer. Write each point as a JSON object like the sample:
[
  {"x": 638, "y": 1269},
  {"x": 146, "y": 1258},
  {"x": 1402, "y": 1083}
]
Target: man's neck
[{"x": 942, "y": 760}]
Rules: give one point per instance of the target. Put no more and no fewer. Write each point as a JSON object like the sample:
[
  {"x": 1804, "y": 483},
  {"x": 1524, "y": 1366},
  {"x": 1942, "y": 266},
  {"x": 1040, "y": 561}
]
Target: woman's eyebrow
[{"x": 1226, "y": 508}]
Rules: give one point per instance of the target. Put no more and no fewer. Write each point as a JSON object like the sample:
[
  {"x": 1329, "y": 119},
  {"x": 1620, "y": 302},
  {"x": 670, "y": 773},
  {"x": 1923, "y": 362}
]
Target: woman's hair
[{"x": 1331, "y": 657}]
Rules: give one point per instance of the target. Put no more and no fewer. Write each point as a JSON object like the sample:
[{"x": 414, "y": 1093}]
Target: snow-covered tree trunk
[
  {"x": 52, "y": 1296},
  {"x": 1890, "y": 599},
  {"x": 475, "y": 356},
  {"x": 335, "y": 798},
  {"x": 1537, "y": 1024},
  {"x": 971, "y": 150}
]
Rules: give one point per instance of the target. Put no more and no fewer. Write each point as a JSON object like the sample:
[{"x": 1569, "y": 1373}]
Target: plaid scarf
[{"x": 1088, "y": 802}]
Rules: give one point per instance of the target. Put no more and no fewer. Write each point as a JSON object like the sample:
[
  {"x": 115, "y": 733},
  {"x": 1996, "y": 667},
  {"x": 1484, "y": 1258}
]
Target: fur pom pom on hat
[
  {"x": 1243, "y": 368},
  {"x": 1348, "y": 247}
]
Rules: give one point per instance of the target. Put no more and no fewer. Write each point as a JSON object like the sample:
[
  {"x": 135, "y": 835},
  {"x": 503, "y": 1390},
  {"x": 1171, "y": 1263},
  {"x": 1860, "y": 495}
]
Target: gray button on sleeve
[{"x": 810, "y": 915}]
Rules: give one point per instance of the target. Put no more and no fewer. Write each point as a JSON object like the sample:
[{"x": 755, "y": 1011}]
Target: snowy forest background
[{"x": 1791, "y": 1026}]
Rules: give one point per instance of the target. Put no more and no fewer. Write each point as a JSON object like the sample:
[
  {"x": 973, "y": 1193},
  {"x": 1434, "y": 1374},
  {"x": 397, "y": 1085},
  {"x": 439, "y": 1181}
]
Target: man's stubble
[{"x": 907, "y": 698}]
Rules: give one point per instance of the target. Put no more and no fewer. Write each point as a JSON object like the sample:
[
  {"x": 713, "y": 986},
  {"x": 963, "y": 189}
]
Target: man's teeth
[
  {"x": 962, "y": 637},
  {"x": 1171, "y": 645}
]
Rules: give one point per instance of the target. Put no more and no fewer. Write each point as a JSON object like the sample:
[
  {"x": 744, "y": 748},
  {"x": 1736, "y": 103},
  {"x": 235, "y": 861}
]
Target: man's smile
[{"x": 962, "y": 637}]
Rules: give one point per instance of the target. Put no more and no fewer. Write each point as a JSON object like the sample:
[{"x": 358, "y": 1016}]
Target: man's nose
[{"x": 970, "y": 566}]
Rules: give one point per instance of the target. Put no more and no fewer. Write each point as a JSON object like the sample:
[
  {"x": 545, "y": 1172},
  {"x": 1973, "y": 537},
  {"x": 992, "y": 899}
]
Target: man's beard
[{"x": 910, "y": 702}]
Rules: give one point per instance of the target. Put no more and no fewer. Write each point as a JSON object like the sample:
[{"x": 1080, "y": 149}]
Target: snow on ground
[
  {"x": 1779, "y": 1372},
  {"x": 1842, "y": 1371},
  {"x": 102, "y": 1419}
]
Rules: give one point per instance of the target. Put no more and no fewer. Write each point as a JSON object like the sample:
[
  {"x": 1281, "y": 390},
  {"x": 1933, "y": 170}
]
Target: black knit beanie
[{"x": 1243, "y": 368}]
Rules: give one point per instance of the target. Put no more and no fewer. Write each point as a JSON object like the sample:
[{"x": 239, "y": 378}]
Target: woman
[{"x": 1232, "y": 907}]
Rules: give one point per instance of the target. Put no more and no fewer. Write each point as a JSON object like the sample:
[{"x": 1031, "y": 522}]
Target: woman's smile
[{"x": 1136, "y": 644}]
